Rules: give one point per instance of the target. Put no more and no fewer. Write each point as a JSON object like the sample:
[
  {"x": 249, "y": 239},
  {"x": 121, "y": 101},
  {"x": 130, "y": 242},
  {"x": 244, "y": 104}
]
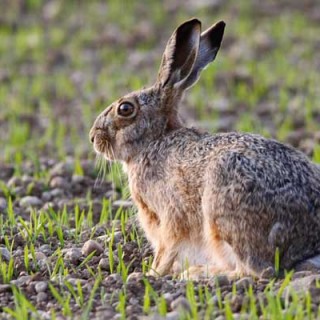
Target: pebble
[
  {"x": 40, "y": 256},
  {"x": 78, "y": 179},
  {"x": 113, "y": 278},
  {"x": 135, "y": 277},
  {"x": 173, "y": 315},
  {"x": 236, "y": 302},
  {"x": 74, "y": 281},
  {"x": 124, "y": 204},
  {"x": 42, "y": 296},
  {"x": 244, "y": 283},
  {"x": 14, "y": 182},
  {"x": 168, "y": 297},
  {"x": 21, "y": 281},
  {"x": 5, "y": 288},
  {"x": 45, "y": 248},
  {"x": 104, "y": 264},
  {"x": 90, "y": 246},
  {"x": 181, "y": 304},
  {"x": 5, "y": 254},
  {"x": 63, "y": 168},
  {"x": 30, "y": 201},
  {"x": 301, "y": 285},
  {"x": 268, "y": 273},
  {"x": 58, "y": 182},
  {"x": 41, "y": 286},
  {"x": 6, "y": 171},
  {"x": 55, "y": 193},
  {"x": 3, "y": 204},
  {"x": 221, "y": 280},
  {"x": 46, "y": 196},
  {"x": 73, "y": 255}
]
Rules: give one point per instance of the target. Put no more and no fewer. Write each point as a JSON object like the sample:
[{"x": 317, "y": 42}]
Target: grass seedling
[
  {"x": 10, "y": 213},
  {"x": 121, "y": 307},
  {"x": 146, "y": 298},
  {"x": 316, "y": 153},
  {"x": 89, "y": 304},
  {"x": 63, "y": 300},
  {"x": 105, "y": 211},
  {"x": 23, "y": 307},
  {"x": 277, "y": 262},
  {"x": 162, "y": 306},
  {"x": 190, "y": 295},
  {"x": 6, "y": 270}
]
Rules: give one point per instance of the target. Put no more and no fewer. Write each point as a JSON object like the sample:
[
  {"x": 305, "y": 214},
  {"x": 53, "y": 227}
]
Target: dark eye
[{"x": 126, "y": 109}]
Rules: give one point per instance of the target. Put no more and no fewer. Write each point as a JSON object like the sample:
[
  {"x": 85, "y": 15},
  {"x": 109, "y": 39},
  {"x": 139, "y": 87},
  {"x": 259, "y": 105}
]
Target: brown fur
[{"x": 219, "y": 203}]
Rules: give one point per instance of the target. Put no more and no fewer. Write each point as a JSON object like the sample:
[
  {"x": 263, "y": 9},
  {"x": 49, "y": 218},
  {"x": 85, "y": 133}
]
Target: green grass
[{"x": 58, "y": 72}]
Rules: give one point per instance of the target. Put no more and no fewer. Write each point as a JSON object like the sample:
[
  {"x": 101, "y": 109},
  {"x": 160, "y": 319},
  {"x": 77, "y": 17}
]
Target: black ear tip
[
  {"x": 190, "y": 24},
  {"x": 215, "y": 33},
  {"x": 220, "y": 26}
]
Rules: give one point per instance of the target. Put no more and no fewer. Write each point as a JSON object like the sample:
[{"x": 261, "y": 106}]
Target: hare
[{"x": 222, "y": 203}]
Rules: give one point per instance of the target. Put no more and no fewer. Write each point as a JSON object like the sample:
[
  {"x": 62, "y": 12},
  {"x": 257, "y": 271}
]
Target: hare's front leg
[
  {"x": 164, "y": 252},
  {"x": 164, "y": 258}
]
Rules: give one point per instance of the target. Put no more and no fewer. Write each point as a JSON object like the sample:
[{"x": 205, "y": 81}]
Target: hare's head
[{"x": 132, "y": 122}]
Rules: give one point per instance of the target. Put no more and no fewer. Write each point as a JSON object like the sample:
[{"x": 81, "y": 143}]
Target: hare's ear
[
  {"x": 180, "y": 54},
  {"x": 210, "y": 42}
]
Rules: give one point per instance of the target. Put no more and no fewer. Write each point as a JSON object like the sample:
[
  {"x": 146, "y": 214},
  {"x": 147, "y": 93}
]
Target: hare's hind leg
[{"x": 222, "y": 260}]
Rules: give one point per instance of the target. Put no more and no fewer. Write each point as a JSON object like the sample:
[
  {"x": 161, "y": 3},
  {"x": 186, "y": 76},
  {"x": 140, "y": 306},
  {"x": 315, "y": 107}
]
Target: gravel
[{"x": 91, "y": 246}]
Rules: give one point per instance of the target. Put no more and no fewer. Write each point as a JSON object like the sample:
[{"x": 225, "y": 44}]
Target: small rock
[
  {"x": 45, "y": 248},
  {"x": 181, "y": 304},
  {"x": 91, "y": 246},
  {"x": 5, "y": 288},
  {"x": 117, "y": 237},
  {"x": 133, "y": 301},
  {"x": 42, "y": 296},
  {"x": 40, "y": 256},
  {"x": 268, "y": 273},
  {"x": 74, "y": 281},
  {"x": 21, "y": 281},
  {"x": 30, "y": 201},
  {"x": 168, "y": 297},
  {"x": 46, "y": 196},
  {"x": 301, "y": 285},
  {"x": 58, "y": 182},
  {"x": 41, "y": 286},
  {"x": 78, "y": 179},
  {"x": 55, "y": 193},
  {"x": 221, "y": 280},
  {"x": 124, "y": 204},
  {"x": 301, "y": 274},
  {"x": 135, "y": 277},
  {"x": 14, "y": 182},
  {"x": 3, "y": 204},
  {"x": 236, "y": 302},
  {"x": 104, "y": 264},
  {"x": 244, "y": 283},
  {"x": 5, "y": 254},
  {"x": 113, "y": 278},
  {"x": 6, "y": 172},
  {"x": 63, "y": 168},
  {"x": 73, "y": 255}
]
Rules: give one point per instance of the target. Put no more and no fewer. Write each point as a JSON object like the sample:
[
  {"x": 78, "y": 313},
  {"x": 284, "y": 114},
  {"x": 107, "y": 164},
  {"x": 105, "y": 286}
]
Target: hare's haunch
[{"x": 216, "y": 203}]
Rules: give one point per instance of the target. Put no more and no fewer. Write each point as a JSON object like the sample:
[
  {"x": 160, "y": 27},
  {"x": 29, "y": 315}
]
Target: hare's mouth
[{"x": 102, "y": 146}]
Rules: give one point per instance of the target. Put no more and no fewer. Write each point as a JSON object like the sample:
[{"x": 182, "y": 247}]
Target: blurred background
[{"x": 63, "y": 62}]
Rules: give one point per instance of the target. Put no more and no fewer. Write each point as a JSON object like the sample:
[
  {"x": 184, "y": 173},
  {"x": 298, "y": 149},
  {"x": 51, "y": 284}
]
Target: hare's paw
[{"x": 200, "y": 272}]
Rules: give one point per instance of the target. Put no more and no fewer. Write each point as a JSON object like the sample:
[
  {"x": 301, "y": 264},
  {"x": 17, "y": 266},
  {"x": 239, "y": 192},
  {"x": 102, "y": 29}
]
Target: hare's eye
[{"x": 126, "y": 109}]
